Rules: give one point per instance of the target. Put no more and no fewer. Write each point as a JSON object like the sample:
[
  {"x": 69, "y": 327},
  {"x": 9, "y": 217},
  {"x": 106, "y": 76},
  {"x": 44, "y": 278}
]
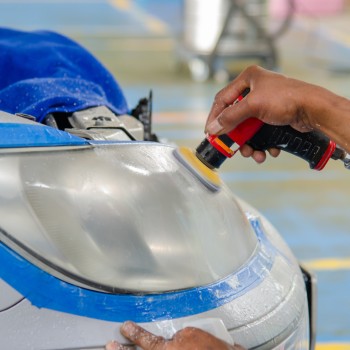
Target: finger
[
  {"x": 113, "y": 345},
  {"x": 259, "y": 156},
  {"x": 246, "y": 151},
  {"x": 227, "y": 96},
  {"x": 230, "y": 118},
  {"x": 141, "y": 337},
  {"x": 274, "y": 152}
]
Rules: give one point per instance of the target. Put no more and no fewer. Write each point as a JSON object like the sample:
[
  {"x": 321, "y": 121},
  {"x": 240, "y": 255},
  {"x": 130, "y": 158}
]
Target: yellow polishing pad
[{"x": 208, "y": 176}]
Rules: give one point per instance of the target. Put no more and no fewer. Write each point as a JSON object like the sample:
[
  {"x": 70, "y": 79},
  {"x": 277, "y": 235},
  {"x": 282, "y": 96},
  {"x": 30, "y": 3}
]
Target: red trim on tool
[
  {"x": 326, "y": 156},
  {"x": 239, "y": 98},
  {"x": 240, "y": 135},
  {"x": 245, "y": 131}
]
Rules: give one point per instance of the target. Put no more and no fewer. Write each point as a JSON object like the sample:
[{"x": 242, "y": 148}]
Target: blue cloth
[{"x": 43, "y": 72}]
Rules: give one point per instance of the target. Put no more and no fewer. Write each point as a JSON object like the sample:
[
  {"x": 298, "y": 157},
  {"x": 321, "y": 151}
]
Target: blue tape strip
[
  {"x": 27, "y": 135},
  {"x": 46, "y": 291}
]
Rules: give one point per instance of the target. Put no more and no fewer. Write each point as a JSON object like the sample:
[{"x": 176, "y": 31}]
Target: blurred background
[{"x": 185, "y": 52}]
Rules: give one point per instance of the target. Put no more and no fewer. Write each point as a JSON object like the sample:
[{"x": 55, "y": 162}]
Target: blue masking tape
[
  {"x": 27, "y": 135},
  {"x": 46, "y": 291}
]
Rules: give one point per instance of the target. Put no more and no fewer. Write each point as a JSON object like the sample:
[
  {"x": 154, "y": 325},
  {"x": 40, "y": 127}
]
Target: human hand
[
  {"x": 259, "y": 156},
  {"x": 273, "y": 98},
  {"x": 186, "y": 339}
]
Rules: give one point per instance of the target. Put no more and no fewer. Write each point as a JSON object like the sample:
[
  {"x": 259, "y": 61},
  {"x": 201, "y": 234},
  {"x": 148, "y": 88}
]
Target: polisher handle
[
  {"x": 314, "y": 147},
  {"x": 245, "y": 131}
]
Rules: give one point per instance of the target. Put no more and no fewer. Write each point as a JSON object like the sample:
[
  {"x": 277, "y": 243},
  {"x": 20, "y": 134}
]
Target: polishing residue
[{"x": 207, "y": 176}]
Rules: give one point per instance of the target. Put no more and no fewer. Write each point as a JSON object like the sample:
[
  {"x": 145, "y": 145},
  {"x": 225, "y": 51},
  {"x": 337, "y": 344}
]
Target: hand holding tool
[{"x": 314, "y": 147}]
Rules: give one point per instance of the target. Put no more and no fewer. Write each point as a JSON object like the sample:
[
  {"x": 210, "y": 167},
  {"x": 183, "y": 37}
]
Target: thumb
[{"x": 230, "y": 118}]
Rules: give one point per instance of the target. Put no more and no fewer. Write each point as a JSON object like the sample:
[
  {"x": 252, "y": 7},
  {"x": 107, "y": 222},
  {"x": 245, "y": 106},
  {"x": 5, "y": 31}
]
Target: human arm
[
  {"x": 186, "y": 339},
  {"x": 279, "y": 100}
]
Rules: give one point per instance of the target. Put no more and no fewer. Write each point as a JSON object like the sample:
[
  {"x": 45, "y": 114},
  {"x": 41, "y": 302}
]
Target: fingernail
[
  {"x": 214, "y": 127},
  {"x": 112, "y": 345},
  {"x": 128, "y": 326}
]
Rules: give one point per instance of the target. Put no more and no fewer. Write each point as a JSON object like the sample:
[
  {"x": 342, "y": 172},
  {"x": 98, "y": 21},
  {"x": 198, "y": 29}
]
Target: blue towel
[{"x": 43, "y": 72}]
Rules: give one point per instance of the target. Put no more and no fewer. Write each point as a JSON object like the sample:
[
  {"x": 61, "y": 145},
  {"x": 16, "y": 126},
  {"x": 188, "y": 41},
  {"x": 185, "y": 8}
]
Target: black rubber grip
[{"x": 310, "y": 146}]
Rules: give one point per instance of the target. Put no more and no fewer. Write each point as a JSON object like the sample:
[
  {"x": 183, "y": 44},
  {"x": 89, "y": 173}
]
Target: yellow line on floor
[
  {"x": 187, "y": 117},
  {"x": 332, "y": 346},
  {"x": 124, "y": 5},
  {"x": 155, "y": 25},
  {"x": 328, "y": 264}
]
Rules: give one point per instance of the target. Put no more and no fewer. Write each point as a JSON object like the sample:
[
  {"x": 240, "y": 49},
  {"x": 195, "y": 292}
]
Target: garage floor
[{"x": 137, "y": 41}]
